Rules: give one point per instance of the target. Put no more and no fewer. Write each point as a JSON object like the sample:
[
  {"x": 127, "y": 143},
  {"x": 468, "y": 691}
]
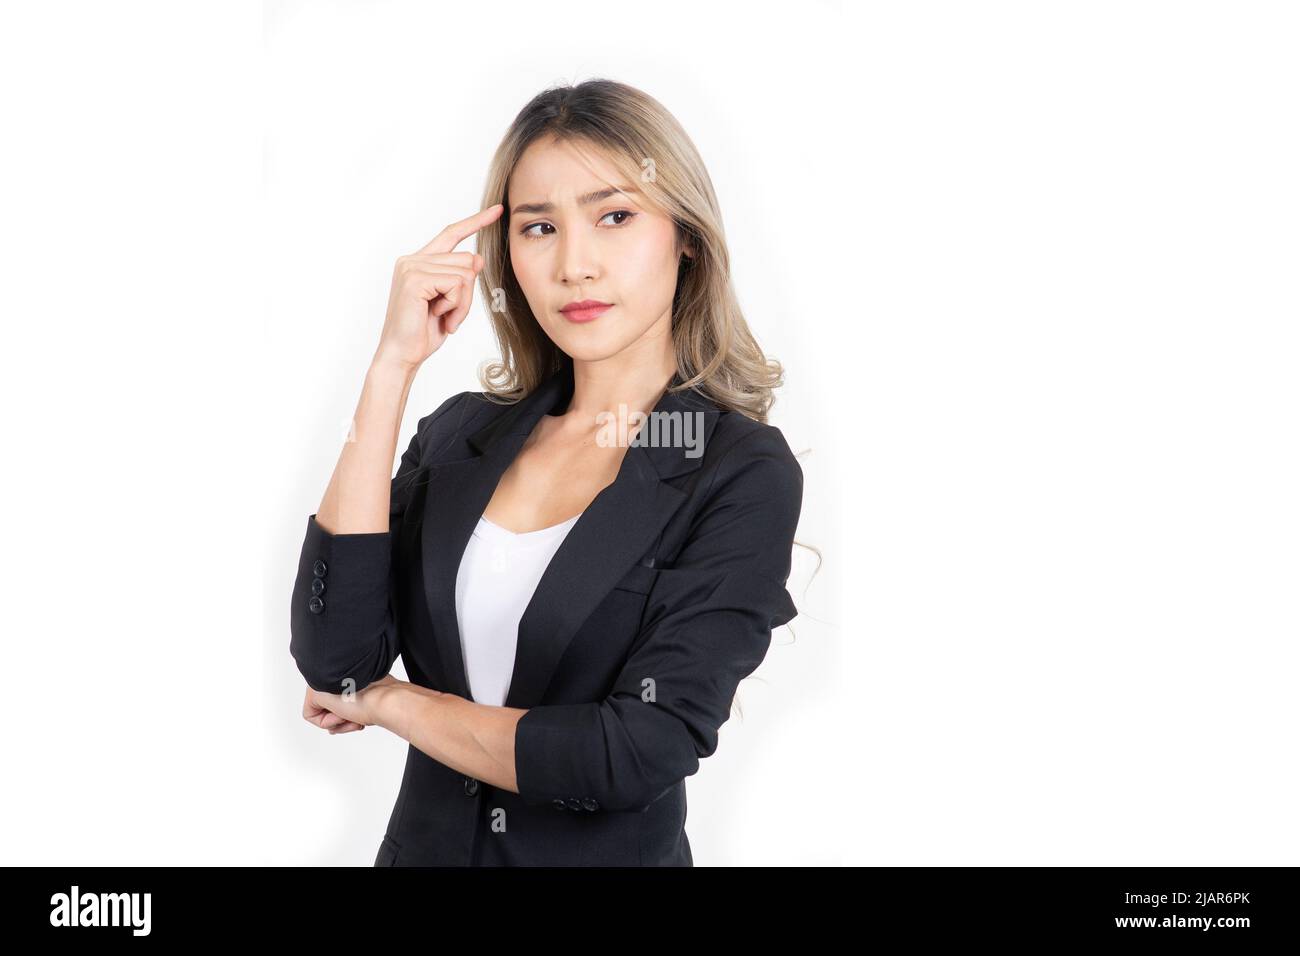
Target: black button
[
  {"x": 319, "y": 568},
  {"x": 573, "y": 803},
  {"x": 315, "y": 605},
  {"x": 471, "y": 786},
  {"x": 558, "y": 804},
  {"x": 590, "y": 803},
  {"x": 317, "y": 585}
]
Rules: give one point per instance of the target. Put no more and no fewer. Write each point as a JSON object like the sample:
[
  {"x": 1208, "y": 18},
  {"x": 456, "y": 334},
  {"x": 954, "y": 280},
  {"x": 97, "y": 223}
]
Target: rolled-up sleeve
[
  {"x": 343, "y": 631},
  {"x": 708, "y": 624}
]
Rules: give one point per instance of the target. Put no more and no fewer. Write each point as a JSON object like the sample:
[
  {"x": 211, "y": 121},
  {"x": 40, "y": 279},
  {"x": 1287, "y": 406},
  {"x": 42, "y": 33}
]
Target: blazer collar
[
  {"x": 552, "y": 397},
  {"x": 618, "y": 530}
]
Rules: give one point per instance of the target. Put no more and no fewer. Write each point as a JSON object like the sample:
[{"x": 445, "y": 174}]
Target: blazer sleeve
[
  {"x": 707, "y": 625},
  {"x": 341, "y": 623}
]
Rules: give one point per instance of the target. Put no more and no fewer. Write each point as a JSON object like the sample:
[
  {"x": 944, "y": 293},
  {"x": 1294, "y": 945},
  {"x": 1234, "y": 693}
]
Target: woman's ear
[{"x": 684, "y": 245}]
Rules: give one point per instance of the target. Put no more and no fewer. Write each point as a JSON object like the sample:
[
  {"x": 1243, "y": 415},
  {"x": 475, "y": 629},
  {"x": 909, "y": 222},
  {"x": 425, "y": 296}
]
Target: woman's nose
[{"x": 577, "y": 263}]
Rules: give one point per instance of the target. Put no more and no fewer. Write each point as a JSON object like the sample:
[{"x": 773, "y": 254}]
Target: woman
[{"x": 576, "y": 587}]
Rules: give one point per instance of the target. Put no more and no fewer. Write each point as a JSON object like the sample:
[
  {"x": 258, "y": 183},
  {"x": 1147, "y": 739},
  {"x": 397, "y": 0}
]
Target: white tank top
[{"x": 498, "y": 574}]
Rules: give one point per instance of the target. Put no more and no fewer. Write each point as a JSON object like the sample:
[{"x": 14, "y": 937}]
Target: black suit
[{"x": 660, "y": 599}]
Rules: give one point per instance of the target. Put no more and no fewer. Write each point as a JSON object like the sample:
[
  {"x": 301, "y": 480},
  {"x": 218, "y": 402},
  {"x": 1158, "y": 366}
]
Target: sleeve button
[
  {"x": 573, "y": 803},
  {"x": 590, "y": 803},
  {"x": 558, "y": 803},
  {"x": 315, "y": 605},
  {"x": 317, "y": 585},
  {"x": 319, "y": 568}
]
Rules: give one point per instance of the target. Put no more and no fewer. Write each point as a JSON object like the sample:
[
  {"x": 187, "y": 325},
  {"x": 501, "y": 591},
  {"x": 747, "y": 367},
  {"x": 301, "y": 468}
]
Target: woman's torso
[
  {"x": 538, "y": 499},
  {"x": 577, "y": 636}
]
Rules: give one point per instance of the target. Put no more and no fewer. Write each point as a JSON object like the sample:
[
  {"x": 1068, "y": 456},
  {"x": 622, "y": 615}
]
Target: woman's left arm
[
  {"x": 475, "y": 739},
  {"x": 470, "y": 738},
  {"x": 707, "y": 625}
]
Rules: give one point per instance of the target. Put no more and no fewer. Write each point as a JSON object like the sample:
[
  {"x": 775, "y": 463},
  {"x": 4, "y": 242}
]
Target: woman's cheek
[{"x": 524, "y": 274}]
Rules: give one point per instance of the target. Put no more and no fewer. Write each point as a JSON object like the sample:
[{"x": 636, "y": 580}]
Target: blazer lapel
[{"x": 617, "y": 529}]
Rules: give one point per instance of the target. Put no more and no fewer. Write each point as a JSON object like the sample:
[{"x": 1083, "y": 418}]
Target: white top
[{"x": 498, "y": 574}]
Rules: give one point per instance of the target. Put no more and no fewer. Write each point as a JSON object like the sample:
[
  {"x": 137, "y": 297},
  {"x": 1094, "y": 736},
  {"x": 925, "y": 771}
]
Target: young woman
[{"x": 579, "y": 564}]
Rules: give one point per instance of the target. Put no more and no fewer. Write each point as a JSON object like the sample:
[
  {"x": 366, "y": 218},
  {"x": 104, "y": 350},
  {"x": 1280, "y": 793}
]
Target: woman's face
[{"x": 612, "y": 248}]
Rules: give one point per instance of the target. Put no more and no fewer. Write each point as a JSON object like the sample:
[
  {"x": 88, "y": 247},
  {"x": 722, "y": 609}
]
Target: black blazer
[{"x": 660, "y": 599}]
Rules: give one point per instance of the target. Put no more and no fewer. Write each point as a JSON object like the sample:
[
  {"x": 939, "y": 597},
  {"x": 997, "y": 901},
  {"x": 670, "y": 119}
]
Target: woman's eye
[{"x": 527, "y": 231}]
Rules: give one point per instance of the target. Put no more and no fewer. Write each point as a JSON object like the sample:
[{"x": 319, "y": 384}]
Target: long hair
[{"x": 716, "y": 353}]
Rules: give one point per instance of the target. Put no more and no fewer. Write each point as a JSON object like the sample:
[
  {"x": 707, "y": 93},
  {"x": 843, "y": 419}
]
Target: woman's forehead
[{"x": 564, "y": 171}]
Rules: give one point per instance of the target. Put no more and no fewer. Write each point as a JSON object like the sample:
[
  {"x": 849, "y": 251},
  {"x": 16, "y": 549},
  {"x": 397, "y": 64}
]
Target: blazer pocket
[
  {"x": 387, "y": 855},
  {"x": 640, "y": 578}
]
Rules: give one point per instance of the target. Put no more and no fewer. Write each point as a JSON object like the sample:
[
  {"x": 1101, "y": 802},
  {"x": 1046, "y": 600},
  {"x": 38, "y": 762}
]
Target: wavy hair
[{"x": 716, "y": 353}]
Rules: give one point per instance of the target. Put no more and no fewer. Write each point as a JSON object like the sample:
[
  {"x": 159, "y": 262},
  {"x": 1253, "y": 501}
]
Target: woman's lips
[{"x": 585, "y": 314}]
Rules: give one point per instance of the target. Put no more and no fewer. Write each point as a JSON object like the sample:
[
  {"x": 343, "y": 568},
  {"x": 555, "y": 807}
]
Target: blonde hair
[{"x": 716, "y": 353}]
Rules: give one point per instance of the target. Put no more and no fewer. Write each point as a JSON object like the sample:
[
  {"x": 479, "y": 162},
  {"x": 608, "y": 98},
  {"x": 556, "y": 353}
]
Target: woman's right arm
[
  {"x": 342, "y": 630},
  {"x": 357, "y": 498}
]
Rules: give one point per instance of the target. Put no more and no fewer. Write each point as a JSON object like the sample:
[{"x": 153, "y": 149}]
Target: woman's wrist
[{"x": 386, "y": 369}]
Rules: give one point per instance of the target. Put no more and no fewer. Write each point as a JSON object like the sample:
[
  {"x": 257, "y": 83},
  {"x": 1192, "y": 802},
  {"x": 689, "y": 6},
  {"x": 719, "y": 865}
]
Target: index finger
[{"x": 457, "y": 232}]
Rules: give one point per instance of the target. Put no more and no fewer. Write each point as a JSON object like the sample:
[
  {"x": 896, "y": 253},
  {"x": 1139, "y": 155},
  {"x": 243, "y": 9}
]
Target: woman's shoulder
[
  {"x": 749, "y": 459},
  {"x": 738, "y": 442},
  {"x": 743, "y": 507},
  {"x": 441, "y": 413},
  {"x": 457, "y": 414}
]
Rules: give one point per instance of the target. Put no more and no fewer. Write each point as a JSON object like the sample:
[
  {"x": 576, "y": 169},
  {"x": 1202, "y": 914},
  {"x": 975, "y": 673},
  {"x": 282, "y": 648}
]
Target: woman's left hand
[{"x": 339, "y": 714}]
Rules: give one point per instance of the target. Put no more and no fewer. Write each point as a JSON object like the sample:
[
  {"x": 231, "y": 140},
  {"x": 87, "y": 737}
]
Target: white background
[{"x": 1030, "y": 267}]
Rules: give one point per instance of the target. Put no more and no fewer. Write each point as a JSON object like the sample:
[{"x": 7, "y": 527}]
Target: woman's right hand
[
  {"x": 431, "y": 293},
  {"x": 325, "y": 719}
]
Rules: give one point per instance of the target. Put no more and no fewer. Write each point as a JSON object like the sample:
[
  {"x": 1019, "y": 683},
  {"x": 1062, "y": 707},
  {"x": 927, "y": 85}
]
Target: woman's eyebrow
[{"x": 585, "y": 200}]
